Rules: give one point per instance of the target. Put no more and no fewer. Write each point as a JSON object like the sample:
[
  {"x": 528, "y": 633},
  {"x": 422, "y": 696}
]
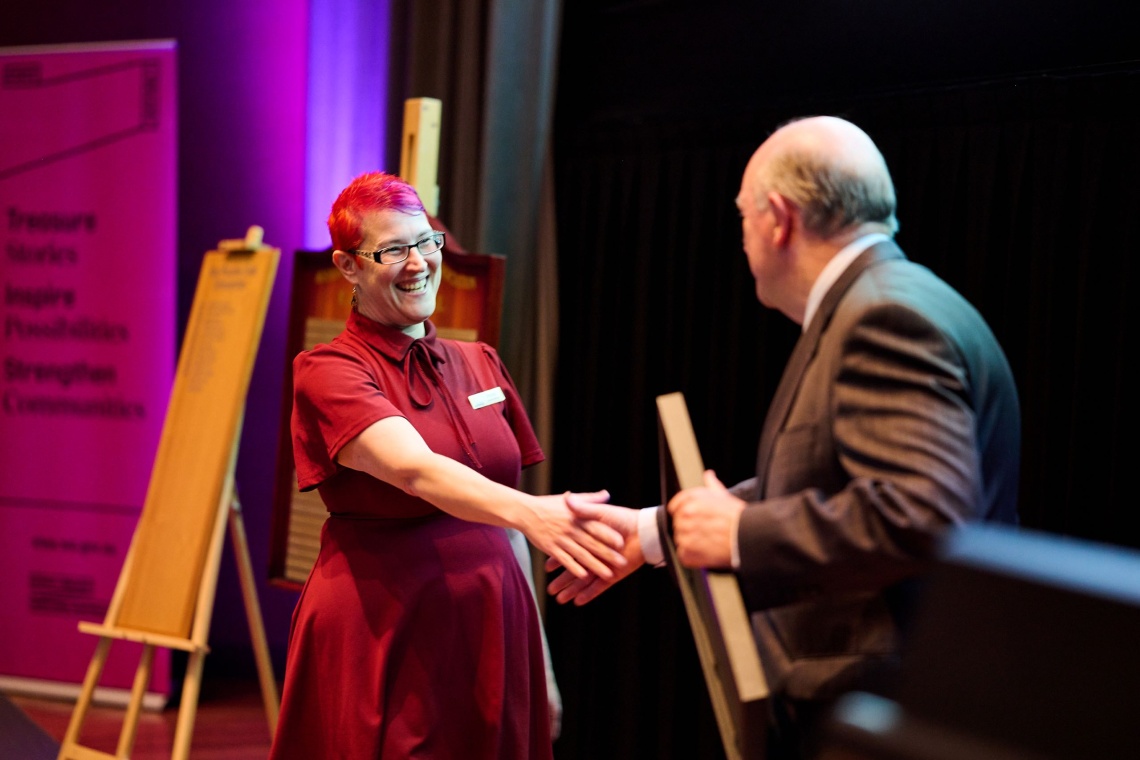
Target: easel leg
[
  {"x": 94, "y": 670},
  {"x": 138, "y": 691},
  {"x": 188, "y": 711},
  {"x": 256, "y": 622}
]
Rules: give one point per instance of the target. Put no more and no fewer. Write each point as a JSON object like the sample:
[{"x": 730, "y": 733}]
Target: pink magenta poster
[{"x": 87, "y": 266}]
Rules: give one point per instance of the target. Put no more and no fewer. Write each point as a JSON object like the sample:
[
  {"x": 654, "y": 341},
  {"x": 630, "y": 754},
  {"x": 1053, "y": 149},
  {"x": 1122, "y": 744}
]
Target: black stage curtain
[{"x": 1020, "y": 192}]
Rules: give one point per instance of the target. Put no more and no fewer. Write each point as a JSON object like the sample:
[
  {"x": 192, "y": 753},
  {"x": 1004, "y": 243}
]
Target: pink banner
[{"x": 87, "y": 264}]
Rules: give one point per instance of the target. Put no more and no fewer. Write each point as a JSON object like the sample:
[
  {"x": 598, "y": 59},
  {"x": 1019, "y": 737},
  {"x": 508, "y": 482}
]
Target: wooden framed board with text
[{"x": 166, "y": 589}]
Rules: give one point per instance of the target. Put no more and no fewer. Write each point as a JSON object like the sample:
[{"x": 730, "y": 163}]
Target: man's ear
[
  {"x": 784, "y": 211},
  {"x": 347, "y": 264}
]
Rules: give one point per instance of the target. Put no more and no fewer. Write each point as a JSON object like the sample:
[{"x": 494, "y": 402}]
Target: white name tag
[{"x": 486, "y": 398}]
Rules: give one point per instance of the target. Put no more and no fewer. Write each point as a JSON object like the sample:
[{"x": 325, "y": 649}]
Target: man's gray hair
[{"x": 832, "y": 196}]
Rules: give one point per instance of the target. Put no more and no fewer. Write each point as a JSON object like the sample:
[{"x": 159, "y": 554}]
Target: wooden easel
[{"x": 165, "y": 593}]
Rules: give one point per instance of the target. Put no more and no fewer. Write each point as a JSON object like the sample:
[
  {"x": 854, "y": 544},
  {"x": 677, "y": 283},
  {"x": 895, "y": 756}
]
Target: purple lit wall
[
  {"x": 348, "y": 94},
  {"x": 280, "y": 103},
  {"x": 244, "y": 70}
]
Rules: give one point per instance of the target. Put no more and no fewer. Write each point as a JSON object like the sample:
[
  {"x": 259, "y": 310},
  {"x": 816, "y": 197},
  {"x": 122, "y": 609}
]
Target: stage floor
[{"x": 230, "y": 724}]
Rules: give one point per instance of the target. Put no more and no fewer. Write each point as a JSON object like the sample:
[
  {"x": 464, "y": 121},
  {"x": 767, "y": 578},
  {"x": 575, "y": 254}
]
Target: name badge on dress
[{"x": 486, "y": 398}]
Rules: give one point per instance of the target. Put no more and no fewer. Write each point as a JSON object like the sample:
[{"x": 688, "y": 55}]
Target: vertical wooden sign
[
  {"x": 419, "y": 149},
  {"x": 165, "y": 594},
  {"x": 197, "y": 447}
]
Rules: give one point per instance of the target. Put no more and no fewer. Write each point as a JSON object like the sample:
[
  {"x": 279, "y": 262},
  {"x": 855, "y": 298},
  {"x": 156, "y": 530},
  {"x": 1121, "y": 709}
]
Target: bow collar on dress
[{"x": 419, "y": 357}]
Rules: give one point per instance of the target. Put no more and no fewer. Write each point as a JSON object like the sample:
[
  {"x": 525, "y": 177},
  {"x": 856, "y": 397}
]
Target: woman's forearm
[{"x": 393, "y": 451}]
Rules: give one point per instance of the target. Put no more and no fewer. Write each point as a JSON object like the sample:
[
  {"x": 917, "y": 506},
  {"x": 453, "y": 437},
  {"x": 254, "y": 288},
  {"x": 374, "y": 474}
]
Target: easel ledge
[{"x": 141, "y": 637}]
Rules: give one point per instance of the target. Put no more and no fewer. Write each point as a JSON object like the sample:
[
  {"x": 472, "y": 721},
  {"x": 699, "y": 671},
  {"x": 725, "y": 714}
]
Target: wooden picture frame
[{"x": 720, "y": 624}]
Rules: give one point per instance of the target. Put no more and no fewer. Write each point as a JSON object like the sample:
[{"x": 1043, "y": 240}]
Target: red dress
[{"x": 416, "y": 635}]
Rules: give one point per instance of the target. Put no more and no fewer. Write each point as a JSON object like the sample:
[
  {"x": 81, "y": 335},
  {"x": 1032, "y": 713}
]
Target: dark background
[{"x": 1010, "y": 129}]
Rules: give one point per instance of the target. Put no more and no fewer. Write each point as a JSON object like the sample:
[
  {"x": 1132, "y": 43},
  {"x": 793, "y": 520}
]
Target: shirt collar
[
  {"x": 392, "y": 342},
  {"x": 838, "y": 264}
]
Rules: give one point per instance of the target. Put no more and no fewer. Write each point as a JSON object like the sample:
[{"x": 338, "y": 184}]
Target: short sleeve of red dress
[{"x": 335, "y": 398}]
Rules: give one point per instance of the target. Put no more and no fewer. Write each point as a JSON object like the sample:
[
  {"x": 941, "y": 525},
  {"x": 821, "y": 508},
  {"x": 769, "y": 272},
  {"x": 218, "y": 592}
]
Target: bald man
[{"x": 896, "y": 418}]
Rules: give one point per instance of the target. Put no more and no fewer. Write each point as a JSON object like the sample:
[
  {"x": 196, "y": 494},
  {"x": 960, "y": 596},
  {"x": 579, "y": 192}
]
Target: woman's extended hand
[
  {"x": 565, "y": 587},
  {"x": 582, "y": 545}
]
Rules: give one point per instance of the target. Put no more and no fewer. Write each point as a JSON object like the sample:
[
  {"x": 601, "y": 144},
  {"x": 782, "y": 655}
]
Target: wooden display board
[
  {"x": 165, "y": 593},
  {"x": 721, "y": 629},
  {"x": 468, "y": 307}
]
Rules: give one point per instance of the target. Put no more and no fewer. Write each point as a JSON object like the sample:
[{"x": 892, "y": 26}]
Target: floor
[{"x": 230, "y": 724}]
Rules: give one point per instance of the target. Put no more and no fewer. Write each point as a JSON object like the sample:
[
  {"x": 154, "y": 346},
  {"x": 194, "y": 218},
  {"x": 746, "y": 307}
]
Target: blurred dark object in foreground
[{"x": 1023, "y": 646}]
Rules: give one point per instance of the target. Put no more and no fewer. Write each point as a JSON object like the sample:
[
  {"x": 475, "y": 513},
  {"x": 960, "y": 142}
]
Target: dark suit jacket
[{"x": 896, "y": 418}]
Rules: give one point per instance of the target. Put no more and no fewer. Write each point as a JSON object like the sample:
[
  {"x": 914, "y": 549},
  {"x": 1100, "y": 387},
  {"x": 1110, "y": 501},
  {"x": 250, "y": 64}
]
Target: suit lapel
[{"x": 804, "y": 351}]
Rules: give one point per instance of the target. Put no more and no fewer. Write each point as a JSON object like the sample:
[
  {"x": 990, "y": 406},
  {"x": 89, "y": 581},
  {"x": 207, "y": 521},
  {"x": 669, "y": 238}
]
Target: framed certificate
[{"x": 721, "y": 629}]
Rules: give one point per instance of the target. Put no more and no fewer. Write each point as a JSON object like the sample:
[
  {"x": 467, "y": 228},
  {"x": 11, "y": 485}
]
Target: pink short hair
[{"x": 374, "y": 191}]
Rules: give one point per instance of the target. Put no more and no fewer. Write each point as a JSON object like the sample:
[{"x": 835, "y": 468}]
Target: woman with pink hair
[{"x": 416, "y": 634}]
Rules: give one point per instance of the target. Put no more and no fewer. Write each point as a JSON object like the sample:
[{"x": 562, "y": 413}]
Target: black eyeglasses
[{"x": 394, "y": 254}]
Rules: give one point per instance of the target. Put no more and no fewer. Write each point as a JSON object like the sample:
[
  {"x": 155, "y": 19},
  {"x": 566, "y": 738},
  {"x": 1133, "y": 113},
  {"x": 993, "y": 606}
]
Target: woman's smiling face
[{"x": 400, "y": 295}]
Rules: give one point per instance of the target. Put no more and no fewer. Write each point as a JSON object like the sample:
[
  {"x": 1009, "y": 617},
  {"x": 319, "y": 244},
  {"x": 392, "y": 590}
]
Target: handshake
[{"x": 604, "y": 542}]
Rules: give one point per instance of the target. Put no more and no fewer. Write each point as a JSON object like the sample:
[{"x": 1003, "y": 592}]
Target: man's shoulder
[
  {"x": 907, "y": 285},
  {"x": 909, "y": 299},
  {"x": 902, "y": 271}
]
